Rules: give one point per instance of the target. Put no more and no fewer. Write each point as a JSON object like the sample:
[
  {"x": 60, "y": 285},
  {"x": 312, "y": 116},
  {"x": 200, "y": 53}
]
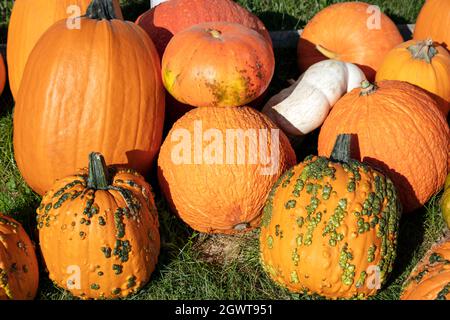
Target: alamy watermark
[{"x": 232, "y": 147}]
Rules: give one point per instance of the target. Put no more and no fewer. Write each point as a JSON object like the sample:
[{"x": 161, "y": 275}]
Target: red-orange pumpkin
[
  {"x": 433, "y": 21},
  {"x": 218, "y": 64},
  {"x": 350, "y": 31},
  {"x": 96, "y": 88},
  {"x": 171, "y": 17}
]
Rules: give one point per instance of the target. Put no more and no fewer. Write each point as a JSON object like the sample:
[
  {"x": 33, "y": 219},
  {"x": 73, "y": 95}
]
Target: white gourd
[{"x": 303, "y": 107}]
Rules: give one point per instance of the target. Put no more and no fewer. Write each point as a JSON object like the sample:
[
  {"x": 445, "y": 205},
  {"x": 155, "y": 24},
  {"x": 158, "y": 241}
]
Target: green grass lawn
[{"x": 186, "y": 270}]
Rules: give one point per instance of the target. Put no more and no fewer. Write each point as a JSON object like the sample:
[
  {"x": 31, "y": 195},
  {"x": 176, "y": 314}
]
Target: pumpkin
[
  {"x": 83, "y": 101},
  {"x": 213, "y": 74},
  {"x": 303, "y": 106},
  {"x": 29, "y": 20},
  {"x": 430, "y": 279},
  {"x": 351, "y": 32},
  {"x": 98, "y": 231},
  {"x": 167, "y": 19},
  {"x": 2, "y": 74},
  {"x": 19, "y": 273},
  {"x": 445, "y": 201},
  {"x": 217, "y": 166},
  {"x": 433, "y": 22},
  {"x": 330, "y": 227},
  {"x": 422, "y": 63},
  {"x": 400, "y": 130}
]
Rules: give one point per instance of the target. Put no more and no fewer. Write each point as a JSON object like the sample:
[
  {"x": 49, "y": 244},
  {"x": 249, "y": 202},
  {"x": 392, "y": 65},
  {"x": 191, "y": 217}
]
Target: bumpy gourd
[
  {"x": 445, "y": 201},
  {"x": 98, "y": 231},
  {"x": 330, "y": 227},
  {"x": 19, "y": 273},
  {"x": 430, "y": 279},
  {"x": 303, "y": 107}
]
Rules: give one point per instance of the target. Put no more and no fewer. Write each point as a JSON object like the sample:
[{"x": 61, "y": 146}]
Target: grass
[{"x": 182, "y": 271}]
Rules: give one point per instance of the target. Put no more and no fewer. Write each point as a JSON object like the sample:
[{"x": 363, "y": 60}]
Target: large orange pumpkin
[
  {"x": 217, "y": 166},
  {"x": 98, "y": 231},
  {"x": 422, "y": 63},
  {"x": 167, "y": 19},
  {"x": 432, "y": 22},
  {"x": 201, "y": 66},
  {"x": 19, "y": 273},
  {"x": 330, "y": 227},
  {"x": 350, "y": 31},
  {"x": 2, "y": 74},
  {"x": 399, "y": 130},
  {"x": 97, "y": 88},
  {"x": 29, "y": 20},
  {"x": 430, "y": 279}
]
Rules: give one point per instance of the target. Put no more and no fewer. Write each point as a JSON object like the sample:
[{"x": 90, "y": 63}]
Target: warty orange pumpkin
[
  {"x": 98, "y": 231},
  {"x": 432, "y": 22},
  {"x": 29, "y": 20},
  {"x": 350, "y": 31},
  {"x": 430, "y": 279},
  {"x": 83, "y": 101},
  {"x": 167, "y": 19},
  {"x": 201, "y": 67},
  {"x": 19, "y": 273},
  {"x": 217, "y": 166},
  {"x": 330, "y": 227},
  {"x": 423, "y": 63},
  {"x": 400, "y": 130}
]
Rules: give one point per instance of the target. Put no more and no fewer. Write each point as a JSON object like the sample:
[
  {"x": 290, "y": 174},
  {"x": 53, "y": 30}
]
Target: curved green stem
[
  {"x": 342, "y": 151},
  {"x": 423, "y": 50},
  {"x": 101, "y": 9},
  {"x": 98, "y": 178}
]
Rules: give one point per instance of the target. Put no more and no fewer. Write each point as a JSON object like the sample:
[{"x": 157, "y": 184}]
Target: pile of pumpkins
[{"x": 92, "y": 93}]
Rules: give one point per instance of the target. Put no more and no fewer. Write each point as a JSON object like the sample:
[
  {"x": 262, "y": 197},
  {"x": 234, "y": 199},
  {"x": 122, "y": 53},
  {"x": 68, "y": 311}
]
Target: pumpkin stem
[
  {"x": 367, "y": 88},
  {"x": 341, "y": 150},
  {"x": 101, "y": 9},
  {"x": 215, "y": 33},
  {"x": 327, "y": 53},
  {"x": 98, "y": 178},
  {"x": 423, "y": 50}
]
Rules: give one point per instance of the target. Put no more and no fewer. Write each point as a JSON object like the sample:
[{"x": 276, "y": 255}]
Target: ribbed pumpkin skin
[
  {"x": 29, "y": 20},
  {"x": 399, "y": 64},
  {"x": 221, "y": 197},
  {"x": 16, "y": 249},
  {"x": 445, "y": 201},
  {"x": 342, "y": 29},
  {"x": 114, "y": 243},
  {"x": 430, "y": 279},
  {"x": 401, "y": 131},
  {"x": 432, "y": 22},
  {"x": 83, "y": 102},
  {"x": 167, "y": 19},
  {"x": 2, "y": 74},
  {"x": 201, "y": 66},
  {"x": 323, "y": 228}
]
